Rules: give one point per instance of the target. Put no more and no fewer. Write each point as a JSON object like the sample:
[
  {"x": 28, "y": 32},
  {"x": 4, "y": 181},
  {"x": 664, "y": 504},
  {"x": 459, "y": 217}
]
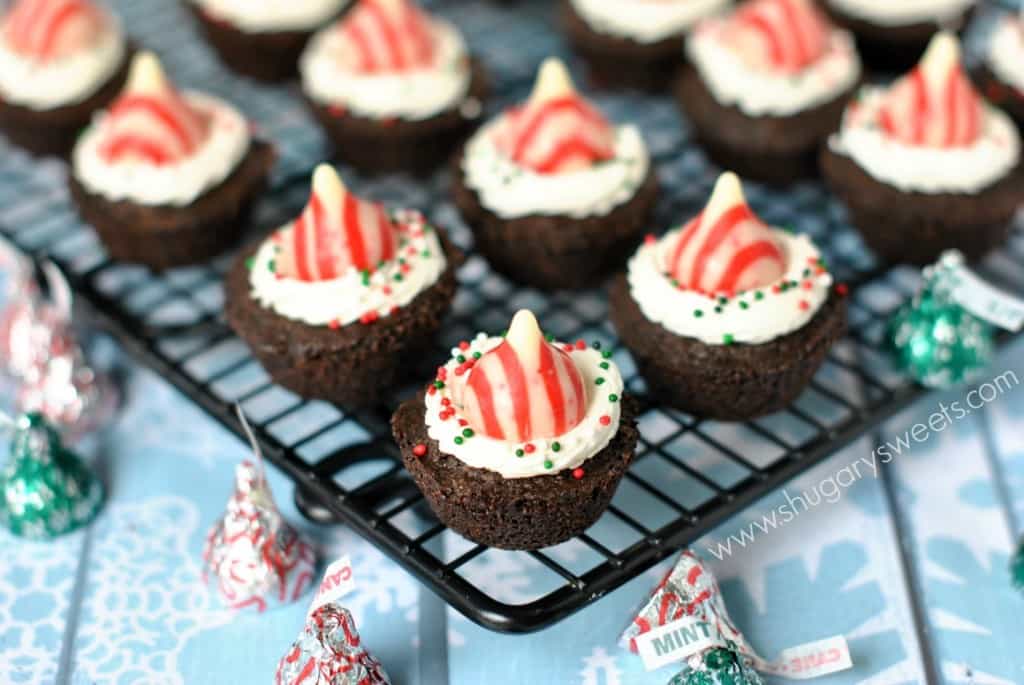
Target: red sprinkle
[
  {"x": 386, "y": 290},
  {"x": 459, "y": 370},
  {"x": 577, "y": 473},
  {"x": 334, "y": 324},
  {"x": 842, "y": 289},
  {"x": 581, "y": 344},
  {"x": 821, "y": 270},
  {"x": 805, "y": 305},
  {"x": 446, "y": 402},
  {"x": 463, "y": 422},
  {"x": 368, "y": 317},
  {"x": 336, "y": 110},
  {"x": 431, "y": 390},
  {"x": 529, "y": 448},
  {"x": 812, "y": 260},
  {"x": 567, "y": 347},
  {"x": 605, "y": 420},
  {"x": 393, "y": 309},
  {"x": 442, "y": 373},
  {"x": 776, "y": 289},
  {"x": 419, "y": 450},
  {"x": 405, "y": 268},
  {"x": 650, "y": 239},
  {"x": 463, "y": 345},
  {"x": 808, "y": 285},
  {"x": 411, "y": 251}
]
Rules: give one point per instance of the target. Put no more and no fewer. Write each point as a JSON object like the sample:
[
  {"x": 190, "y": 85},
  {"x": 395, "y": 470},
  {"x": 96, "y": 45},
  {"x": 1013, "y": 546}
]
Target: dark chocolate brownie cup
[
  {"x": 890, "y": 48},
  {"x": 352, "y": 366},
  {"x": 378, "y": 146},
  {"x": 620, "y": 62},
  {"x": 54, "y": 131},
  {"x": 162, "y": 237},
  {"x": 270, "y": 56},
  {"x": 725, "y": 382},
  {"x": 1000, "y": 94},
  {"x": 774, "y": 149},
  {"x": 553, "y": 252},
  {"x": 915, "y": 228},
  {"x": 513, "y": 513}
]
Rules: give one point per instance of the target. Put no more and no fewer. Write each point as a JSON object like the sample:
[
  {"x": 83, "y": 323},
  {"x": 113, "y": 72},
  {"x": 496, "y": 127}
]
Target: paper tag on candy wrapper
[
  {"x": 984, "y": 301},
  {"x": 338, "y": 581},
  {"x": 675, "y": 641}
]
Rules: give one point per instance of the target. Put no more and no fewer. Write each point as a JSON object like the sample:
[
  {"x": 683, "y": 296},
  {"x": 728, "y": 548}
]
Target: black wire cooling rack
[{"x": 690, "y": 475}]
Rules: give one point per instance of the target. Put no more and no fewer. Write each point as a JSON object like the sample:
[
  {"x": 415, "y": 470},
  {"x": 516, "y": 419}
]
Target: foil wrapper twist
[
  {"x": 45, "y": 489},
  {"x": 330, "y": 652},
  {"x": 690, "y": 590},
  {"x": 257, "y": 560}
]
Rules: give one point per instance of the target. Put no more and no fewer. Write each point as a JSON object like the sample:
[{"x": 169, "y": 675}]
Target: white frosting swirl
[
  {"x": 759, "y": 92},
  {"x": 754, "y": 317},
  {"x": 67, "y": 81},
  {"x": 1006, "y": 52},
  {"x": 903, "y": 12},
  {"x": 416, "y": 95},
  {"x": 269, "y": 16},
  {"x": 646, "y": 21},
  {"x": 510, "y": 190},
  {"x": 343, "y": 300},
  {"x": 923, "y": 169},
  {"x": 574, "y": 447},
  {"x": 176, "y": 184}
]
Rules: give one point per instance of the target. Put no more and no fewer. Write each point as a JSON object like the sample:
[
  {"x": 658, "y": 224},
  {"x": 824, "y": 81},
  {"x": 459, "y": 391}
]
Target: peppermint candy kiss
[
  {"x": 726, "y": 248},
  {"x": 525, "y": 388},
  {"x": 556, "y": 131},
  {"x": 52, "y": 29},
  {"x": 934, "y": 105},
  {"x": 336, "y": 231},
  {"x": 387, "y": 36},
  {"x": 786, "y": 35},
  {"x": 150, "y": 121}
]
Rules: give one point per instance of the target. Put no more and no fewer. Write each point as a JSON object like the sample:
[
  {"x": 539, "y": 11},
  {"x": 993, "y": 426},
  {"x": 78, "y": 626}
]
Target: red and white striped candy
[
  {"x": 726, "y": 248},
  {"x": 525, "y": 388},
  {"x": 934, "y": 105},
  {"x": 556, "y": 130},
  {"x": 51, "y": 29},
  {"x": 150, "y": 121},
  {"x": 787, "y": 35},
  {"x": 387, "y": 36},
  {"x": 335, "y": 232}
]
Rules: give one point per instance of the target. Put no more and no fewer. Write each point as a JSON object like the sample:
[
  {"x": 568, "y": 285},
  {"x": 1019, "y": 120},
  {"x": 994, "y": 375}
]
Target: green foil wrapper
[
  {"x": 1017, "y": 567},
  {"x": 46, "y": 490},
  {"x": 718, "y": 666},
  {"x": 934, "y": 339}
]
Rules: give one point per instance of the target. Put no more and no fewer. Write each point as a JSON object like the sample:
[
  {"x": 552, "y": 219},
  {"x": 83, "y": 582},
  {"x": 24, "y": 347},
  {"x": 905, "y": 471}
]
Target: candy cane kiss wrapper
[
  {"x": 253, "y": 556},
  {"x": 685, "y": 622}
]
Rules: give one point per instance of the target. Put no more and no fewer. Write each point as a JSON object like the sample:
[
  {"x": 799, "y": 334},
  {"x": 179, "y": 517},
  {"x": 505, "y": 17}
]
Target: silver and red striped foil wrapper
[{"x": 330, "y": 652}]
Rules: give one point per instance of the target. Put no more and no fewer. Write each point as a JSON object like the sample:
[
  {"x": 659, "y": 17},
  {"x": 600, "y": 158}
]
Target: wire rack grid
[{"x": 689, "y": 475}]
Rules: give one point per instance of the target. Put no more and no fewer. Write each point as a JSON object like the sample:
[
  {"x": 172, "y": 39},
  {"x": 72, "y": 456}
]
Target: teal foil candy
[
  {"x": 1017, "y": 567},
  {"x": 718, "y": 666},
  {"x": 45, "y": 489},
  {"x": 934, "y": 339}
]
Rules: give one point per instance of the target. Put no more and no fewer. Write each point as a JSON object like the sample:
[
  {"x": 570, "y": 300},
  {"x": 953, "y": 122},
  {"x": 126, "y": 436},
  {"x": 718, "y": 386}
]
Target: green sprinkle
[
  {"x": 604, "y": 365},
  {"x": 718, "y": 310},
  {"x": 458, "y": 440},
  {"x": 366, "y": 277},
  {"x": 550, "y": 337},
  {"x": 727, "y": 339},
  {"x": 438, "y": 384},
  {"x": 607, "y": 354},
  {"x": 744, "y": 305},
  {"x": 249, "y": 262},
  {"x": 807, "y": 272},
  {"x": 272, "y": 266},
  {"x": 548, "y": 464},
  {"x": 460, "y": 359},
  {"x": 504, "y": 333},
  {"x": 596, "y": 344},
  {"x": 467, "y": 432},
  {"x": 425, "y": 253},
  {"x": 398, "y": 277},
  {"x": 758, "y": 295},
  {"x": 520, "y": 453},
  {"x": 613, "y": 398},
  {"x": 556, "y": 446},
  {"x": 697, "y": 313},
  {"x": 723, "y": 300},
  {"x": 599, "y": 381},
  {"x": 476, "y": 355}
]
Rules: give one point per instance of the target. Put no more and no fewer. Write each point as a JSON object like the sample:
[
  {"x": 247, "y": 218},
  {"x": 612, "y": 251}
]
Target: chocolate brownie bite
[
  {"x": 554, "y": 193},
  {"x": 519, "y": 442},
  {"x": 630, "y": 44},
  {"x": 263, "y": 40},
  {"x": 167, "y": 178},
  {"x": 892, "y": 34},
  {"x": 727, "y": 318},
  {"x": 60, "y": 61},
  {"x": 393, "y": 88},
  {"x": 334, "y": 302},
  {"x": 1000, "y": 76},
  {"x": 926, "y": 164},
  {"x": 766, "y": 86}
]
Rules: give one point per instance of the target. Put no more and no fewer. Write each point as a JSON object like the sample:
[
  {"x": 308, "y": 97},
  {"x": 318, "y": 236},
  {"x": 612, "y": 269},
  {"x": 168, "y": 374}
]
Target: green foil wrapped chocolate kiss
[
  {"x": 46, "y": 490},
  {"x": 934, "y": 339},
  {"x": 719, "y": 666}
]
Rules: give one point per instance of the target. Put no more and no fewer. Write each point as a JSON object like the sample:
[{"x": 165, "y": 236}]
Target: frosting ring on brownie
[
  {"x": 1006, "y": 51},
  {"x": 48, "y": 84},
  {"x": 967, "y": 169},
  {"x": 178, "y": 183},
  {"x": 538, "y": 456},
  {"x": 413, "y": 94},
  {"x": 646, "y": 21},
  {"x": 759, "y": 92},
  {"x": 510, "y": 190},
  {"x": 350, "y": 296},
  {"x": 903, "y": 12},
  {"x": 269, "y": 16}
]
